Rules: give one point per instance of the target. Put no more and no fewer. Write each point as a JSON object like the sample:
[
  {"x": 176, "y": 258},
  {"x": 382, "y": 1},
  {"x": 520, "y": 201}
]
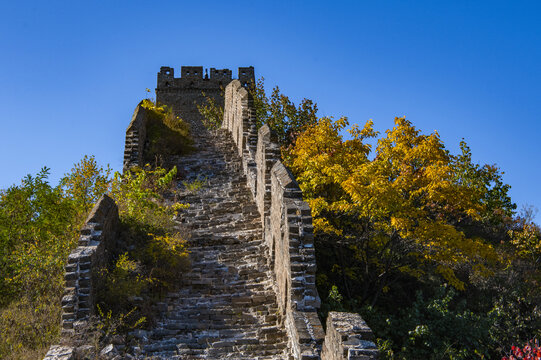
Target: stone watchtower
[{"x": 185, "y": 92}]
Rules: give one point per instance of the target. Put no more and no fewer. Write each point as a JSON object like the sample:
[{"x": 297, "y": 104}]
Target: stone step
[{"x": 225, "y": 306}]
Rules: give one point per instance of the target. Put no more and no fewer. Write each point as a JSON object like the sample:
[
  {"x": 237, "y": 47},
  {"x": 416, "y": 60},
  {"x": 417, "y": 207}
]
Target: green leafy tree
[
  {"x": 35, "y": 235},
  {"x": 39, "y": 226},
  {"x": 488, "y": 189},
  {"x": 285, "y": 118},
  {"x": 487, "y": 181},
  {"x": 86, "y": 183}
]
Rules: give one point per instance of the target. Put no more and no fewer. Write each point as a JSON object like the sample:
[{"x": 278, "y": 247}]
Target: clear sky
[{"x": 71, "y": 72}]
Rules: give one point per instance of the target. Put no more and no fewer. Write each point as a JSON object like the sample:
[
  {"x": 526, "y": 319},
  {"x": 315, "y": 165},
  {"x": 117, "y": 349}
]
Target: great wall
[{"x": 250, "y": 292}]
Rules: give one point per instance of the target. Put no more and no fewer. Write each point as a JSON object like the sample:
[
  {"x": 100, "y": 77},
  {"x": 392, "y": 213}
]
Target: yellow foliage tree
[{"x": 398, "y": 210}]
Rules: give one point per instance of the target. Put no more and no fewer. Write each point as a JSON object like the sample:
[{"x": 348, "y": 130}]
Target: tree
[
  {"x": 34, "y": 219},
  {"x": 39, "y": 226},
  {"x": 395, "y": 212},
  {"x": 286, "y": 119},
  {"x": 86, "y": 183},
  {"x": 487, "y": 186}
]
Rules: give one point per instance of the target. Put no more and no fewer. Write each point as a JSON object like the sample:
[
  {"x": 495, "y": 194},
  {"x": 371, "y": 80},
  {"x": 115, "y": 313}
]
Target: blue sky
[{"x": 72, "y": 72}]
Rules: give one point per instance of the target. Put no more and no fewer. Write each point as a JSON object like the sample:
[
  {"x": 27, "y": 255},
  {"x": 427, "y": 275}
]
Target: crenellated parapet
[
  {"x": 288, "y": 233},
  {"x": 195, "y": 83}
]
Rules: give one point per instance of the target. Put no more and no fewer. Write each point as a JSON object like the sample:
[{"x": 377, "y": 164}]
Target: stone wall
[
  {"x": 135, "y": 138},
  {"x": 96, "y": 243},
  {"x": 348, "y": 337},
  {"x": 288, "y": 231}
]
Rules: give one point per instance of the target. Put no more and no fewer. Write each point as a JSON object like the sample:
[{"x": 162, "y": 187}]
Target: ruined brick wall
[
  {"x": 288, "y": 233},
  {"x": 136, "y": 137},
  {"x": 96, "y": 243}
]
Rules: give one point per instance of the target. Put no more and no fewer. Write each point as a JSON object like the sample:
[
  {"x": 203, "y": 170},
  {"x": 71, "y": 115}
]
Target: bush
[
  {"x": 213, "y": 114},
  {"x": 437, "y": 327},
  {"x": 167, "y": 257},
  {"x": 28, "y": 328},
  {"x": 167, "y": 134},
  {"x": 140, "y": 196},
  {"x": 152, "y": 252},
  {"x": 530, "y": 351}
]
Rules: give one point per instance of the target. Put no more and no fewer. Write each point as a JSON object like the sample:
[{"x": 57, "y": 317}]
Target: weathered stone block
[
  {"x": 348, "y": 337},
  {"x": 57, "y": 352}
]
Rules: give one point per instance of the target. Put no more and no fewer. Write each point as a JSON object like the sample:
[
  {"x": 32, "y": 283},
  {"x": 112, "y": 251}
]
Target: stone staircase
[{"x": 225, "y": 307}]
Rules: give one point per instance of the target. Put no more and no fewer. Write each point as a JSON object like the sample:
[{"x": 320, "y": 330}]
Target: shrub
[
  {"x": 167, "y": 134},
  {"x": 433, "y": 327},
  {"x": 152, "y": 252},
  {"x": 530, "y": 351},
  {"x": 167, "y": 257},
  {"x": 140, "y": 196},
  {"x": 124, "y": 281},
  {"x": 195, "y": 185},
  {"x": 27, "y": 328},
  {"x": 213, "y": 114}
]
